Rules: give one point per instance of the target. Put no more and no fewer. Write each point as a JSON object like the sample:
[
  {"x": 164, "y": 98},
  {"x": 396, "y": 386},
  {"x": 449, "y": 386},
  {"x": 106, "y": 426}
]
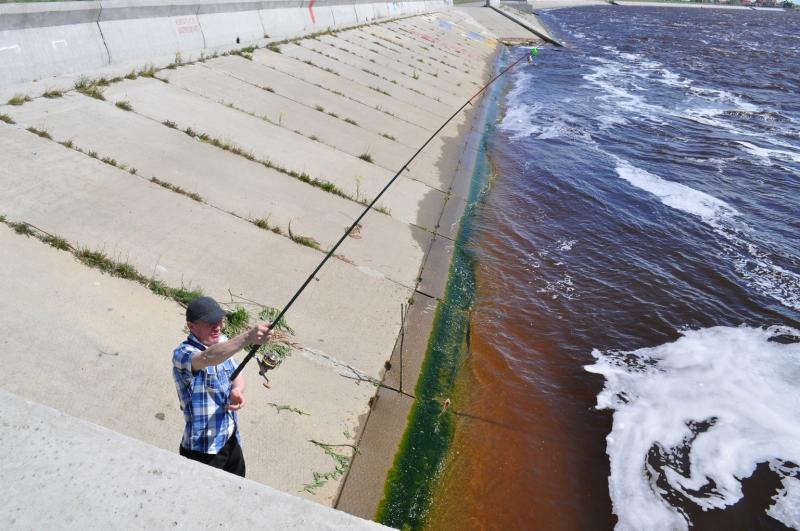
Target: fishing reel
[{"x": 267, "y": 362}]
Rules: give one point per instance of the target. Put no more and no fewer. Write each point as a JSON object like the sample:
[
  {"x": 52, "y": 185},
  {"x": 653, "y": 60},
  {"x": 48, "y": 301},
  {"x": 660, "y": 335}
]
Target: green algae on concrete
[{"x": 411, "y": 482}]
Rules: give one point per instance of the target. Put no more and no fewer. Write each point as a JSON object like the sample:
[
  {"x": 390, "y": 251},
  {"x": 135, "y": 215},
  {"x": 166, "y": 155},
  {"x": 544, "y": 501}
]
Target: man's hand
[
  {"x": 237, "y": 400},
  {"x": 259, "y": 334}
]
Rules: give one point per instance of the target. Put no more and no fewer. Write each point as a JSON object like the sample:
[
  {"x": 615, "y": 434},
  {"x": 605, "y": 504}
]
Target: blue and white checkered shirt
[{"x": 204, "y": 396}]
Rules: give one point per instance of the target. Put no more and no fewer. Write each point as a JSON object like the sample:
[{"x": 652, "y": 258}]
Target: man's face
[{"x": 207, "y": 333}]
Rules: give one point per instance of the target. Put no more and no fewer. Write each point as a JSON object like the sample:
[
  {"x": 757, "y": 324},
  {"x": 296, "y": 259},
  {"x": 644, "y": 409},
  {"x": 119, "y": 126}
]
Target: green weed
[
  {"x": 19, "y": 99},
  {"x": 177, "y": 189},
  {"x": 40, "y": 132}
]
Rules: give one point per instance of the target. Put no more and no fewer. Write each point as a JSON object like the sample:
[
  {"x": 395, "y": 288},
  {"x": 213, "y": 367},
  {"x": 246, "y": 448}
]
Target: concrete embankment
[{"x": 234, "y": 174}]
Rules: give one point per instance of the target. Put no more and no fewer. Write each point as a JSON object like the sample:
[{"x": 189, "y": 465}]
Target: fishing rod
[{"x": 270, "y": 362}]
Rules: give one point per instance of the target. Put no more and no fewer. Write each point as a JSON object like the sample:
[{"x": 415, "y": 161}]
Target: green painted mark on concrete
[{"x": 411, "y": 482}]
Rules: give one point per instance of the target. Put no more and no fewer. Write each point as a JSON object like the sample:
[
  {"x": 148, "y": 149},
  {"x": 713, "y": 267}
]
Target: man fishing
[{"x": 202, "y": 366}]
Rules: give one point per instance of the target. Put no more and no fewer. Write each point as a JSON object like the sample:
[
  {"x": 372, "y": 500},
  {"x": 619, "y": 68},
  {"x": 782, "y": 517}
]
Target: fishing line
[{"x": 254, "y": 348}]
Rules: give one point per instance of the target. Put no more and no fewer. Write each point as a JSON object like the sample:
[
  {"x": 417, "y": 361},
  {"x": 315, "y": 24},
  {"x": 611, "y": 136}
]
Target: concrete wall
[{"x": 39, "y": 40}]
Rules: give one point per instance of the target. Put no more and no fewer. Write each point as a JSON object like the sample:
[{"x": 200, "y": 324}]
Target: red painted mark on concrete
[{"x": 311, "y": 10}]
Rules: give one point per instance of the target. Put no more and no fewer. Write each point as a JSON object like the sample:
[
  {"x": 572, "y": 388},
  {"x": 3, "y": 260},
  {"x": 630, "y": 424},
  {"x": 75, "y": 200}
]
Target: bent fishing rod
[{"x": 272, "y": 363}]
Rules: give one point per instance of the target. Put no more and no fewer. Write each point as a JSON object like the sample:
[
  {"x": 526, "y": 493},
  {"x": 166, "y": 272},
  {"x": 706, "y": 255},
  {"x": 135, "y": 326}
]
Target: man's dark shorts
[{"x": 230, "y": 458}]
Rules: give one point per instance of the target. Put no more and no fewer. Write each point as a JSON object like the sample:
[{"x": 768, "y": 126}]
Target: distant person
[{"x": 201, "y": 367}]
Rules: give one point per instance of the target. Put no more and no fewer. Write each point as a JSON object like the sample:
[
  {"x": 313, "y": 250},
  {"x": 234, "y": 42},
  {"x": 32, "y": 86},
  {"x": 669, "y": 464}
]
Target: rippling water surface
[{"x": 635, "y": 358}]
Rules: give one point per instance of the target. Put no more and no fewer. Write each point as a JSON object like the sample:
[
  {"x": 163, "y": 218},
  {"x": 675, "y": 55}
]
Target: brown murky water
[{"x": 523, "y": 456}]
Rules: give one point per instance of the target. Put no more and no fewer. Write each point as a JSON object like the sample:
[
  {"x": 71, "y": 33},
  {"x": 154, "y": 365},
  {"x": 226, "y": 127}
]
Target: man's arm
[
  {"x": 216, "y": 354},
  {"x": 237, "y": 400}
]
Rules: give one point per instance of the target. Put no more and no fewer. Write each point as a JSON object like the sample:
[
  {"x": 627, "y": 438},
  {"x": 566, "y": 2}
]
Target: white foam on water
[
  {"x": 769, "y": 154},
  {"x": 749, "y": 259},
  {"x": 520, "y": 118},
  {"x": 786, "y": 508},
  {"x": 736, "y": 380},
  {"x": 676, "y": 195},
  {"x": 565, "y": 245}
]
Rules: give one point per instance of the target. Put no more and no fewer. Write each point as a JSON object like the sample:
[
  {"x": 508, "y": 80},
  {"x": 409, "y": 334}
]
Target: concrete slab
[
  {"x": 286, "y": 149},
  {"x": 384, "y": 39},
  {"x": 346, "y": 52},
  {"x": 437, "y": 77},
  {"x": 229, "y": 182},
  {"x": 99, "y": 370},
  {"x": 367, "y": 45},
  {"x": 424, "y": 102},
  {"x": 312, "y": 123},
  {"x": 350, "y": 89},
  {"x": 68, "y": 473},
  {"x": 428, "y": 29},
  {"x": 100, "y": 207},
  {"x": 424, "y": 41},
  {"x": 407, "y": 41},
  {"x": 311, "y": 95}
]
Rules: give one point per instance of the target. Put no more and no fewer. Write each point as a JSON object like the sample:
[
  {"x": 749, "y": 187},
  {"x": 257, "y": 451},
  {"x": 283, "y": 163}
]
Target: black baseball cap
[{"x": 204, "y": 309}]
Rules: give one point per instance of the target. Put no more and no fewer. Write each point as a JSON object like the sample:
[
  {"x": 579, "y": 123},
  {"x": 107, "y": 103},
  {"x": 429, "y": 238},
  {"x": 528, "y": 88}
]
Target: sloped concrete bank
[
  {"x": 235, "y": 174},
  {"x": 39, "y": 40}
]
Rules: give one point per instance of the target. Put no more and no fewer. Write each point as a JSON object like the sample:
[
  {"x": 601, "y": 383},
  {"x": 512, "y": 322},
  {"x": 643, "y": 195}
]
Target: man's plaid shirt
[{"x": 204, "y": 396}]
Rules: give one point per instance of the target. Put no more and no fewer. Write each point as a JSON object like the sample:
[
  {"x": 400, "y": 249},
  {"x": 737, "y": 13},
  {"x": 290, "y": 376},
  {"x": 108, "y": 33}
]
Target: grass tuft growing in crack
[
  {"x": 7, "y": 119},
  {"x": 99, "y": 260},
  {"x": 19, "y": 99},
  {"x": 57, "y": 242},
  {"x": 53, "y": 93},
  {"x": 303, "y": 240},
  {"x": 91, "y": 87},
  {"x": 263, "y": 223},
  {"x": 124, "y": 105},
  {"x": 39, "y": 132},
  {"x": 177, "y": 189},
  {"x": 21, "y": 228}
]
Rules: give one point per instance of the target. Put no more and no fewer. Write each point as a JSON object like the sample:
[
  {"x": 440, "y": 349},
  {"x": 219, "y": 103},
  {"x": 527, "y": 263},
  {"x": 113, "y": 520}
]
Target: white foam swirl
[{"x": 713, "y": 405}]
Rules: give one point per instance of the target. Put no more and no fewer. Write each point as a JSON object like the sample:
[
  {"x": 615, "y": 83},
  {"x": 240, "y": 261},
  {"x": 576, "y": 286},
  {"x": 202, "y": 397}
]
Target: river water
[{"x": 635, "y": 354}]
